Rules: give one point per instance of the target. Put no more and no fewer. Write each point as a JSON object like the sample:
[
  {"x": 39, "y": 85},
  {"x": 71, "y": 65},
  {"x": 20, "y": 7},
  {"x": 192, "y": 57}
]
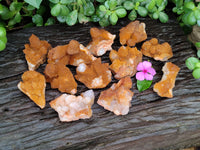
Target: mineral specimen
[
  {"x": 118, "y": 97},
  {"x": 133, "y": 33},
  {"x": 72, "y": 53},
  {"x": 36, "y": 52},
  {"x": 33, "y": 85},
  {"x": 153, "y": 49},
  {"x": 84, "y": 56},
  {"x": 60, "y": 77},
  {"x": 125, "y": 61},
  {"x": 94, "y": 75},
  {"x": 71, "y": 107},
  {"x": 165, "y": 86},
  {"x": 101, "y": 42}
]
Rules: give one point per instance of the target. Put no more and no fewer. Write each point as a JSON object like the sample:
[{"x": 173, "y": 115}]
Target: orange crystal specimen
[
  {"x": 60, "y": 77},
  {"x": 157, "y": 51},
  {"x": 71, "y": 107},
  {"x": 125, "y": 61},
  {"x": 101, "y": 42},
  {"x": 94, "y": 75},
  {"x": 33, "y": 85},
  {"x": 133, "y": 33},
  {"x": 72, "y": 53},
  {"x": 118, "y": 97},
  {"x": 84, "y": 56},
  {"x": 36, "y": 52},
  {"x": 165, "y": 86}
]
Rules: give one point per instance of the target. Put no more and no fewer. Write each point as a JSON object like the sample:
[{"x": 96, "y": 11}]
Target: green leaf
[
  {"x": 34, "y": 3},
  {"x": 102, "y": 8},
  {"x": 163, "y": 17},
  {"x": 191, "y": 19},
  {"x": 82, "y": 18},
  {"x": 4, "y": 39},
  {"x": 18, "y": 18},
  {"x": 179, "y": 3},
  {"x": 30, "y": 8},
  {"x": 54, "y": 1},
  {"x": 198, "y": 53},
  {"x": 159, "y": 2},
  {"x": 38, "y": 20},
  {"x": 61, "y": 19},
  {"x": 94, "y": 18},
  {"x": 197, "y": 14},
  {"x": 132, "y": 15},
  {"x": 2, "y": 45},
  {"x": 196, "y": 73},
  {"x": 112, "y": 4},
  {"x": 142, "y": 11},
  {"x": 11, "y": 22},
  {"x": 189, "y": 5},
  {"x": 155, "y": 15},
  {"x": 151, "y": 5},
  {"x": 128, "y": 5},
  {"x": 72, "y": 18},
  {"x": 113, "y": 18},
  {"x": 121, "y": 12},
  {"x": 191, "y": 62},
  {"x": 50, "y": 21},
  {"x": 104, "y": 22},
  {"x": 198, "y": 22},
  {"x": 197, "y": 44},
  {"x": 5, "y": 13},
  {"x": 143, "y": 85},
  {"x": 66, "y": 1},
  {"x": 89, "y": 9},
  {"x": 64, "y": 11},
  {"x": 197, "y": 65},
  {"x": 55, "y": 11},
  {"x": 100, "y": 1},
  {"x": 15, "y": 6},
  {"x": 2, "y": 32}
]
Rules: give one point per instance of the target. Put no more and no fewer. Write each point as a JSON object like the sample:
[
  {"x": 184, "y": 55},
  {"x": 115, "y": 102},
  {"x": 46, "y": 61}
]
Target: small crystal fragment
[
  {"x": 101, "y": 42},
  {"x": 60, "y": 77},
  {"x": 133, "y": 33},
  {"x": 165, "y": 86},
  {"x": 153, "y": 49},
  {"x": 72, "y": 53},
  {"x": 71, "y": 107},
  {"x": 36, "y": 52},
  {"x": 118, "y": 97},
  {"x": 33, "y": 85},
  {"x": 94, "y": 75},
  {"x": 125, "y": 61}
]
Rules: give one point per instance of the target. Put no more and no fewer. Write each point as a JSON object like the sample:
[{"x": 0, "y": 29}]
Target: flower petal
[
  {"x": 146, "y": 64},
  {"x": 148, "y": 76},
  {"x": 140, "y": 76},
  {"x": 151, "y": 71},
  {"x": 140, "y": 67}
]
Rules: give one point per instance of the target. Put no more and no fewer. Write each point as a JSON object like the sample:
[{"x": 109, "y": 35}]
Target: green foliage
[
  {"x": 143, "y": 85},
  {"x": 105, "y": 12},
  {"x": 34, "y": 3},
  {"x": 194, "y": 64},
  {"x": 188, "y": 11},
  {"x": 3, "y": 38}
]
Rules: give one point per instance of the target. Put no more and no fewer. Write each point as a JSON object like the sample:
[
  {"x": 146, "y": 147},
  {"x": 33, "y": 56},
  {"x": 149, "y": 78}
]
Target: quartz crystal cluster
[
  {"x": 125, "y": 61},
  {"x": 157, "y": 51},
  {"x": 118, "y": 97},
  {"x": 36, "y": 52},
  {"x": 71, "y": 107}
]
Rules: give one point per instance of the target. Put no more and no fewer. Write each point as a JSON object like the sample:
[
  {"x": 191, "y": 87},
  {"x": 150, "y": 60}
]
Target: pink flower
[{"x": 146, "y": 71}]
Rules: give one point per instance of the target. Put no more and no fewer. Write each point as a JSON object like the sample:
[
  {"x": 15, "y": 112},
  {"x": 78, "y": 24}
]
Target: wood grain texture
[{"x": 152, "y": 123}]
